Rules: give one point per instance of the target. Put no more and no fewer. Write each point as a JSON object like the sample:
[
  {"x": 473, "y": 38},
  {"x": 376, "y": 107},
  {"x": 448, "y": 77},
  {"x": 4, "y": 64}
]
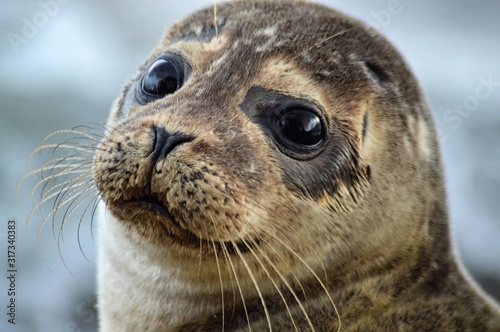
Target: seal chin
[{"x": 146, "y": 211}]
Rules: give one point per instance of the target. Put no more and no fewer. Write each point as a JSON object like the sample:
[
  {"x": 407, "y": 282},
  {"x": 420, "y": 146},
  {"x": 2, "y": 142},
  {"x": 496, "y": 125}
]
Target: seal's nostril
[{"x": 164, "y": 142}]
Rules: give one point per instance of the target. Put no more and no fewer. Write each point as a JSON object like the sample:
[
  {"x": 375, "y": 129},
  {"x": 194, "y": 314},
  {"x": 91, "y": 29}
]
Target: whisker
[
  {"x": 64, "y": 182},
  {"x": 279, "y": 255},
  {"x": 79, "y": 171},
  {"x": 215, "y": 20},
  {"x": 87, "y": 209},
  {"x": 274, "y": 282},
  {"x": 198, "y": 273},
  {"x": 221, "y": 283},
  {"x": 255, "y": 283},
  {"x": 74, "y": 193},
  {"x": 56, "y": 147},
  {"x": 284, "y": 231},
  {"x": 227, "y": 256},
  {"x": 311, "y": 270},
  {"x": 319, "y": 43},
  {"x": 35, "y": 172},
  {"x": 74, "y": 158},
  {"x": 47, "y": 180},
  {"x": 94, "y": 209},
  {"x": 282, "y": 277},
  {"x": 95, "y": 137},
  {"x": 288, "y": 229},
  {"x": 68, "y": 214},
  {"x": 69, "y": 210},
  {"x": 44, "y": 200},
  {"x": 59, "y": 191}
]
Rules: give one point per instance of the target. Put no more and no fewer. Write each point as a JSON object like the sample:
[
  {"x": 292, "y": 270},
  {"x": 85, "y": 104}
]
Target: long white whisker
[
  {"x": 311, "y": 270},
  {"x": 274, "y": 282},
  {"x": 255, "y": 283},
  {"x": 87, "y": 209},
  {"x": 221, "y": 284},
  {"x": 228, "y": 259}
]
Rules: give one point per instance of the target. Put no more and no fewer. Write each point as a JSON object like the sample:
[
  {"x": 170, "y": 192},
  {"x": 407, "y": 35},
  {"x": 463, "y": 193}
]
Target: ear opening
[{"x": 376, "y": 72}]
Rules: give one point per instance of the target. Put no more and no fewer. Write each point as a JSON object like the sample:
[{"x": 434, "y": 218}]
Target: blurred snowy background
[{"x": 72, "y": 62}]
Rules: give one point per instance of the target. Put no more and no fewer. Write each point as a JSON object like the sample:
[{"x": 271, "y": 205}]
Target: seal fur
[{"x": 230, "y": 230}]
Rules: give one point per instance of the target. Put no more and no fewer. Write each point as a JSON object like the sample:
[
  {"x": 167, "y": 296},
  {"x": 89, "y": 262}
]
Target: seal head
[{"x": 273, "y": 165}]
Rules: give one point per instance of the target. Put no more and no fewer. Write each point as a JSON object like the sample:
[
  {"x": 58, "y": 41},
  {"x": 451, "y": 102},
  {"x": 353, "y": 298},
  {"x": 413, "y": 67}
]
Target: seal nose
[{"x": 164, "y": 142}]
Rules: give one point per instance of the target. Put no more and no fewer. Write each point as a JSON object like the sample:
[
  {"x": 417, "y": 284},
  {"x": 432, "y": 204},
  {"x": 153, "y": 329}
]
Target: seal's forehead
[
  {"x": 258, "y": 31},
  {"x": 329, "y": 47},
  {"x": 247, "y": 19},
  {"x": 314, "y": 32}
]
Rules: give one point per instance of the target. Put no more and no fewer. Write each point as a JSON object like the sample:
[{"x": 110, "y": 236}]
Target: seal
[{"x": 274, "y": 166}]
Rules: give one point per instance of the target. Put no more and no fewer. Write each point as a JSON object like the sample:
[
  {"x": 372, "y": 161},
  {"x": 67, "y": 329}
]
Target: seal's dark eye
[
  {"x": 164, "y": 77},
  {"x": 301, "y": 127}
]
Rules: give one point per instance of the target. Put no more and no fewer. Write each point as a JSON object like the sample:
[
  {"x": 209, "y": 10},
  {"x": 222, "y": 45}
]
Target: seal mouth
[
  {"x": 161, "y": 215},
  {"x": 150, "y": 207},
  {"x": 152, "y": 204}
]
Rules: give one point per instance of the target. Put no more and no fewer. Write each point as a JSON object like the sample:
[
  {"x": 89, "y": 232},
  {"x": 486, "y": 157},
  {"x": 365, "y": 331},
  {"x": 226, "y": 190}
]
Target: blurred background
[{"x": 63, "y": 62}]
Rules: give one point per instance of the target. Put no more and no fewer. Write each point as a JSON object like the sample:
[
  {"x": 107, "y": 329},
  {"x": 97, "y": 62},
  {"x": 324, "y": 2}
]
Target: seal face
[{"x": 262, "y": 172}]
